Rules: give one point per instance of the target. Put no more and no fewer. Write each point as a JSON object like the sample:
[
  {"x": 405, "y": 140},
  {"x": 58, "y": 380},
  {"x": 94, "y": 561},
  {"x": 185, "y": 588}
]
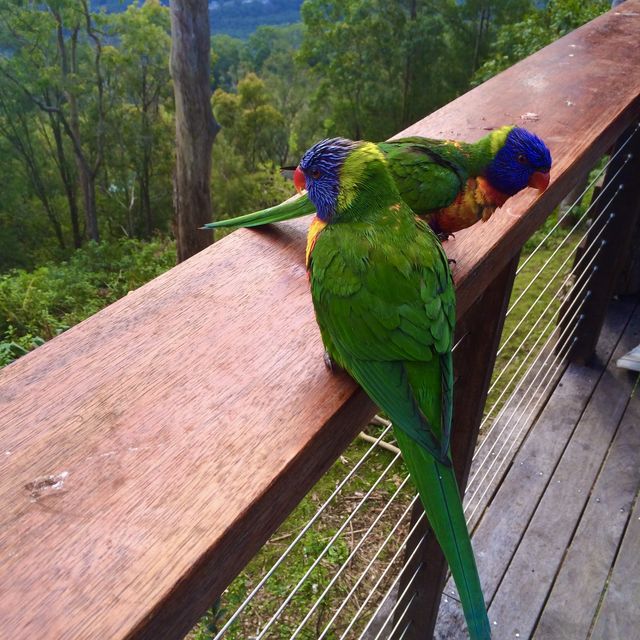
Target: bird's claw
[
  {"x": 452, "y": 261},
  {"x": 328, "y": 362},
  {"x": 444, "y": 235}
]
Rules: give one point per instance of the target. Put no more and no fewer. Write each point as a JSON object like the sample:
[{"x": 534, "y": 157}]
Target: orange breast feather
[{"x": 315, "y": 228}]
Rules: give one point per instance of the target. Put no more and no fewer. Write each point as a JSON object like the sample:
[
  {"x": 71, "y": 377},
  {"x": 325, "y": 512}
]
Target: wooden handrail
[{"x": 147, "y": 453}]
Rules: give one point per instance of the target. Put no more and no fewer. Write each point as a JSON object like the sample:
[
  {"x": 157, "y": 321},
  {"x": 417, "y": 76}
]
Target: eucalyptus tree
[
  {"x": 62, "y": 40},
  {"x": 196, "y": 128}
]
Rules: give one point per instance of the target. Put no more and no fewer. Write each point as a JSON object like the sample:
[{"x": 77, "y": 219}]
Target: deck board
[
  {"x": 619, "y": 615},
  {"x": 503, "y": 525},
  {"x": 574, "y": 599},
  {"x": 534, "y": 566}
]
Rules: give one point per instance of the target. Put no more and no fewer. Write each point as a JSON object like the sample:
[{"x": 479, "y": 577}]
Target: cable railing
[{"x": 369, "y": 604}]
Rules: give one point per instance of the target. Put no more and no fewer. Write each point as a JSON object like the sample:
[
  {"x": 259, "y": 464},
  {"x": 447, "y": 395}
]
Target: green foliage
[
  {"x": 140, "y": 150},
  {"x": 381, "y": 66},
  {"x": 97, "y": 113},
  {"x": 249, "y": 150},
  {"x": 226, "y": 55},
  {"x": 250, "y": 122},
  {"x": 354, "y": 49},
  {"x": 238, "y": 190},
  {"x": 38, "y": 305},
  {"x": 538, "y": 28}
]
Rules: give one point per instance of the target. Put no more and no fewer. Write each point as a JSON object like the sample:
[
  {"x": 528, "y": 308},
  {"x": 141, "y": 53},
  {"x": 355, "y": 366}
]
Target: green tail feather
[
  {"x": 439, "y": 494},
  {"x": 300, "y": 206}
]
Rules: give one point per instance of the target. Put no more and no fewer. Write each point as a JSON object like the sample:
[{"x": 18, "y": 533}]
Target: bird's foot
[
  {"x": 444, "y": 235},
  {"x": 452, "y": 261}
]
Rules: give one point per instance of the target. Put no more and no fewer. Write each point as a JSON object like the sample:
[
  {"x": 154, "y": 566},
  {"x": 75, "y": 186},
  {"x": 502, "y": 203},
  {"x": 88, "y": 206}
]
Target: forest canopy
[{"x": 87, "y": 123}]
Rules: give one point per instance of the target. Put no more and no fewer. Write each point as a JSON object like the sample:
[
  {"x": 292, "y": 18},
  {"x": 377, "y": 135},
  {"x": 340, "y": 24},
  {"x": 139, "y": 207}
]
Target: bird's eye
[
  {"x": 315, "y": 173},
  {"x": 522, "y": 159}
]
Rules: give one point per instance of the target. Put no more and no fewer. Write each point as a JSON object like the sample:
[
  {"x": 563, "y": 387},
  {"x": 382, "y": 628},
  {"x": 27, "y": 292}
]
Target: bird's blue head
[
  {"x": 319, "y": 173},
  {"x": 522, "y": 160}
]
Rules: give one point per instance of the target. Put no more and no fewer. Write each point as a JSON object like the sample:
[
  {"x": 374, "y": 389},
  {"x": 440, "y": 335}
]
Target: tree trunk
[
  {"x": 69, "y": 63},
  {"x": 88, "y": 184},
  {"x": 196, "y": 127},
  {"x": 68, "y": 179},
  {"x": 408, "y": 70}
]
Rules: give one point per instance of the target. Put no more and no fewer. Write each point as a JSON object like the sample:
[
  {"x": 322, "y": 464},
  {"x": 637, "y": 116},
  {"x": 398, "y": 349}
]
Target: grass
[{"x": 313, "y": 543}]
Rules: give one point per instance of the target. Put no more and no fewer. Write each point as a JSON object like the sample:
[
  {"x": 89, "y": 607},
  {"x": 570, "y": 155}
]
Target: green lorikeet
[
  {"x": 385, "y": 304},
  {"x": 450, "y": 184}
]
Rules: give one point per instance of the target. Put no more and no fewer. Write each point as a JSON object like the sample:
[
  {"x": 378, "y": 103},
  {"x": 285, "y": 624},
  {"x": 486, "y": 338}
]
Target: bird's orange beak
[
  {"x": 299, "y": 180},
  {"x": 539, "y": 180}
]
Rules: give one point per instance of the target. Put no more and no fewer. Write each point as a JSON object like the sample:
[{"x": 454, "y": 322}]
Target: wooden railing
[{"x": 148, "y": 453}]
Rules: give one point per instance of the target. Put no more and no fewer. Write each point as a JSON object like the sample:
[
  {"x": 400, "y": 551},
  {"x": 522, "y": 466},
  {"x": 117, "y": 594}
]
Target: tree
[
  {"x": 249, "y": 150},
  {"x": 226, "y": 61},
  {"x": 537, "y": 28},
  {"x": 60, "y": 39},
  {"x": 252, "y": 124},
  {"x": 141, "y": 129},
  {"x": 196, "y": 128},
  {"x": 16, "y": 121},
  {"x": 381, "y": 65}
]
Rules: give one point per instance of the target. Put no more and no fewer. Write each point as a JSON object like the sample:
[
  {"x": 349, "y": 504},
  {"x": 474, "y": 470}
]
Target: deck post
[
  {"x": 478, "y": 334},
  {"x": 614, "y": 246}
]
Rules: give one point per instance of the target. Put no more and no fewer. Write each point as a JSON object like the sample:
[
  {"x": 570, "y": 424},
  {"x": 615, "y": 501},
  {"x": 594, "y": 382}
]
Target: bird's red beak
[
  {"x": 539, "y": 180},
  {"x": 299, "y": 180}
]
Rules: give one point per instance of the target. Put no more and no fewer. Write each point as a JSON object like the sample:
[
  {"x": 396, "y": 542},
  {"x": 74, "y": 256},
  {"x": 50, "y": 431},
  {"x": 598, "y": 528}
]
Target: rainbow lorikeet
[
  {"x": 385, "y": 304},
  {"x": 450, "y": 184}
]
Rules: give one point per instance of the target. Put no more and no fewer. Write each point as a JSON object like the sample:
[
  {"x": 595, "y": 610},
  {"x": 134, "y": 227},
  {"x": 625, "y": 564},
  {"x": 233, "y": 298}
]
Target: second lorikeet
[
  {"x": 450, "y": 184},
  {"x": 385, "y": 304}
]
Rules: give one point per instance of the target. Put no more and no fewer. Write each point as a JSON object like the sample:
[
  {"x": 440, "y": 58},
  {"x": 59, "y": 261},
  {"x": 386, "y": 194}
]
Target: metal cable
[
  {"x": 383, "y": 575},
  {"x": 541, "y": 397},
  {"x": 569, "y": 235},
  {"x": 551, "y": 303},
  {"x": 349, "y": 558},
  {"x": 321, "y": 555},
  {"x": 564, "y": 262},
  {"x": 404, "y": 631},
  {"x": 606, "y": 166},
  {"x": 560, "y": 321},
  {"x": 404, "y": 613},
  {"x": 370, "y": 564},
  {"x": 543, "y": 350},
  {"x": 297, "y": 539},
  {"x": 542, "y": 369}
]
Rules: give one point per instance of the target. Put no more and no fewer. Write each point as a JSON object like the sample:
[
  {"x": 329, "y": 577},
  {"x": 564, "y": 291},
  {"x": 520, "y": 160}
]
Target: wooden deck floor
[{"x": 558, "y": 546}]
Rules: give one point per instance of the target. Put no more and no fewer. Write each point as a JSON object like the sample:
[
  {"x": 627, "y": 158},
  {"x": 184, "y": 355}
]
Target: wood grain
[
  {"x": 500, "y": 531},
  {"x": 606, "y": 249},
  {"x": 534, "y": 565},
  {"x": 569, "y": 610},
  {"x": 619, "y": 615},
  {"x": 147, "y": 453}
]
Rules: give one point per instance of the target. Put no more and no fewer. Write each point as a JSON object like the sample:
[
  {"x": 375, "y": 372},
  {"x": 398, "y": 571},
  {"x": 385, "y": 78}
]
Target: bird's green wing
[
  {"x": 429, "y": 173},
  {"x": 386, "y": 383},
  {"x": 387, "y": 314},
  {"x": 293, "y": 208}
]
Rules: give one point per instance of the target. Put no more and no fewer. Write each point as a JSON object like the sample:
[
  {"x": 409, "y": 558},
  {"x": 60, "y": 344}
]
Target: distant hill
[{"x": 238, "y": 18}]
